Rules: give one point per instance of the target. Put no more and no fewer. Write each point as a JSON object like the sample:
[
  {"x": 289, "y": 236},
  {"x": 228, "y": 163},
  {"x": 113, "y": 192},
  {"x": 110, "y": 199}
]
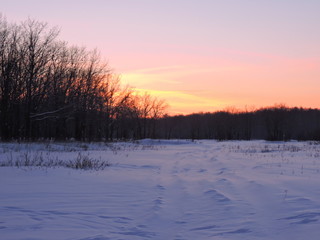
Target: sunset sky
[{"x": 198, "y": 55}]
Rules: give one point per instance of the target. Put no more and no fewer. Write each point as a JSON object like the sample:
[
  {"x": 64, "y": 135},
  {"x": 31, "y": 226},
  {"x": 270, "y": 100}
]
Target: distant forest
[
  {"x": 278, "y": 123},
  {"x": 51, "y": 90}
]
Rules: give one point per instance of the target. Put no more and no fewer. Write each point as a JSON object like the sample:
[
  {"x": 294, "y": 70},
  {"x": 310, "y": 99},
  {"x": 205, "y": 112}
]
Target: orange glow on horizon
[{"x": 229, "y": 83}]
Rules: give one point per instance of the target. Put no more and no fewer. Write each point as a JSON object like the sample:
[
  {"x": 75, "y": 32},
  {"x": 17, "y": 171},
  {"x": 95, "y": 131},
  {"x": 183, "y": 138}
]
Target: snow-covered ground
[{"x": 163, "y": 190}]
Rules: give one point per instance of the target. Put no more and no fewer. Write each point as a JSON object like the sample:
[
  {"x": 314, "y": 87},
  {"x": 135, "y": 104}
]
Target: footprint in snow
[
  {"x": 204, "y": 228},
  {"x": 219, "y": 197},
  {"x": 237, "y": 231},
  {"x": 157, "y": 204},
  {"x": 160, "y": 187},
  {"x": 304, "y": 218},
  {"x": 98, "y": 237}
]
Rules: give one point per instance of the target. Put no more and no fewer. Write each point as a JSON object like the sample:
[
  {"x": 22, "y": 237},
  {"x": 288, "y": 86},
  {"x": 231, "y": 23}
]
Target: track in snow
[{"x": 172, "y": 190}]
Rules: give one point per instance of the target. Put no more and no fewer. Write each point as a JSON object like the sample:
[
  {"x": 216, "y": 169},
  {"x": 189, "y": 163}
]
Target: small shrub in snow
[
  {"x": 37, "y": 159},
  {"x": 87, "y": 163}
]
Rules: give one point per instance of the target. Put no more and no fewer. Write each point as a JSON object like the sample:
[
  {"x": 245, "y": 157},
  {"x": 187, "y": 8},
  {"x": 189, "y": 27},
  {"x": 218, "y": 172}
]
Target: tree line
[
  {"x": 50, "y": 90},
  {"x": 277, "y": 123}
]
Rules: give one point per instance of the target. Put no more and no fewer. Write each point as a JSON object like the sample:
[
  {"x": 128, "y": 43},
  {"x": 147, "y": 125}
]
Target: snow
[{"x": 161, "y": 189}]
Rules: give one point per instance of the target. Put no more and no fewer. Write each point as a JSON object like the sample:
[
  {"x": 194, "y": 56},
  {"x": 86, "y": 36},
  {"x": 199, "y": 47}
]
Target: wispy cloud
[
  {"x": 159, "y": 70},
  {"x": 182, "y": 102}
]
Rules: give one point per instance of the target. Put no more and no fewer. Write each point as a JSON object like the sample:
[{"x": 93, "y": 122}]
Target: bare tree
[
  {"x": 37, "y": 51},
  {"x": 11, "y": 81}
]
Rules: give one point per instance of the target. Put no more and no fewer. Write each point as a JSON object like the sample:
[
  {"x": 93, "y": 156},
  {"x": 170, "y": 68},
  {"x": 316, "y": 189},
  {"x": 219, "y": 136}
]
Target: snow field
[{"x": 163, "y": 190}]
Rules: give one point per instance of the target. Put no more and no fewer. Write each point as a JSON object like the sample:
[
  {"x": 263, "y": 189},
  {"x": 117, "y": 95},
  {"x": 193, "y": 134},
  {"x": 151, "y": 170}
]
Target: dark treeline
[
  {"x": 273, "y": 123},
  {"x": 51, "y": 90}
]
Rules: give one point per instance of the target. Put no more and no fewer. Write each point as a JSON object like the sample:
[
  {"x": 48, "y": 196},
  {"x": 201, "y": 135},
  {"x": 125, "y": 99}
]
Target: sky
[{"x": 198, "y": 55}]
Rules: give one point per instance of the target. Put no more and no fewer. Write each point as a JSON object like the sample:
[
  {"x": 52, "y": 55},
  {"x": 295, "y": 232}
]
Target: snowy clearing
[{"x": 162, "y": 190}]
